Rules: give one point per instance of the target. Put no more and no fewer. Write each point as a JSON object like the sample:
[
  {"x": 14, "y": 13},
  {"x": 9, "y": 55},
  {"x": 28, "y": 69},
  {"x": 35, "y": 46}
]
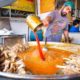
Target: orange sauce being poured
[{"x": 39, "y": 47}]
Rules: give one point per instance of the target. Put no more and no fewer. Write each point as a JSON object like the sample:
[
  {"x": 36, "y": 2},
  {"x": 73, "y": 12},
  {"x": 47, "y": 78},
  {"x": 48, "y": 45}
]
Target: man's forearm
[
  {"x": 66, "y": 39},
  {"x": 66, "y": 36}
]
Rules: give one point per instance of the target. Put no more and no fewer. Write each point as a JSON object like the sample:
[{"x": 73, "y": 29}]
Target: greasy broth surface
[{"x": 36, "y": 65}]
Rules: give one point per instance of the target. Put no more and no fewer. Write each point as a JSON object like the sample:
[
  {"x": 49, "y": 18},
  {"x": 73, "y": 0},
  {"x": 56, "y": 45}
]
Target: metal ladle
[{"x": 45, "y": 46}]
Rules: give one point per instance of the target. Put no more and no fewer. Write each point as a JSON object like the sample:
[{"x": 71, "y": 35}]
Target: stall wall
[
  {"x": 23, "y": 5},
  {"x": 41, "y": 12},
  {"x": 19, "y": 26},
  {"x": 5, "y": 23},
  {"x": 75, "y": 37},
  {"x": 46, "y": 5},
  {"x": 78, "y": 4}
]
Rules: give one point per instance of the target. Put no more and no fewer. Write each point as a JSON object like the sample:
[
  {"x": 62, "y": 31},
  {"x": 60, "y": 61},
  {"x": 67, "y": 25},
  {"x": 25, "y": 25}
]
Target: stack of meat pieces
[{"x": 10, "y": 62}]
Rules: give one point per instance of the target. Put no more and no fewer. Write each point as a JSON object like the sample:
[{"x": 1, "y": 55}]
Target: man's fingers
[{"x": 45, "y": 23}]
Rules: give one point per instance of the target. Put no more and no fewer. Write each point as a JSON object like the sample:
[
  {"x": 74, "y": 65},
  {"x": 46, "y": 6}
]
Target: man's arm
[
  {"x": 46, "y": 21},
  {"x": 66, "y": 36},
  {"x": 49, "y": 18},
  {"x": 66, "y": 33}
]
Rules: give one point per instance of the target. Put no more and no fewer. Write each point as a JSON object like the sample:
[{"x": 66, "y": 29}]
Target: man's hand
[{"x": 45, "y": 22}]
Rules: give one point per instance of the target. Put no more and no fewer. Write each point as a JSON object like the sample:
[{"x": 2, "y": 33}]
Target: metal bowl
[{"x": 70, "y": 47}]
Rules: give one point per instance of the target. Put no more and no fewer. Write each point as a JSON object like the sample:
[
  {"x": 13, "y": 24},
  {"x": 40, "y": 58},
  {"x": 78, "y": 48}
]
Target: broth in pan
[{"x": 36, "y": 65}]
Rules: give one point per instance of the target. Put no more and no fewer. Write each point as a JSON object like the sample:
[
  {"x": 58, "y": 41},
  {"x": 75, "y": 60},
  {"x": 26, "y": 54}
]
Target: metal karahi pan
[
  {"x": 63, "y": 46},
  {"x": 10, "y": 76}
]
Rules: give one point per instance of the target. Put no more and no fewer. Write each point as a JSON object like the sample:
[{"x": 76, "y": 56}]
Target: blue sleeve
[{"x": 73, "y": 29}]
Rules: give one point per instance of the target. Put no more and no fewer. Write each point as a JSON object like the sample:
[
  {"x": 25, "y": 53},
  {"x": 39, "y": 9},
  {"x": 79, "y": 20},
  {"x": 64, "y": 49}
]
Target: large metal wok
[{"x": 70, "y": 47}]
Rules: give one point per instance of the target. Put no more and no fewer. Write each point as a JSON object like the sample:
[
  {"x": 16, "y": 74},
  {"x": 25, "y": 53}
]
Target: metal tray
[{"x": 10, "y": 76}]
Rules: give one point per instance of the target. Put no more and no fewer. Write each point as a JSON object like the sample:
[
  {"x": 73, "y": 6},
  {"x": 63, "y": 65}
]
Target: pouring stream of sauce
[{"x": 39, "y": 47}]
